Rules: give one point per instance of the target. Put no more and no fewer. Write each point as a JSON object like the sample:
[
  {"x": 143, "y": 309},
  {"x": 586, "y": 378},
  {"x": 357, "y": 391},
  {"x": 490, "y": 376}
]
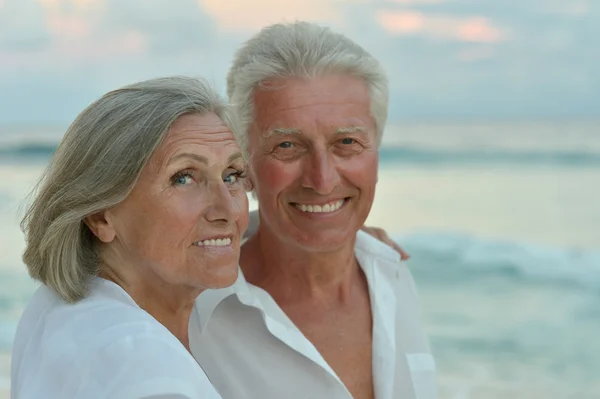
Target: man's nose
[{"x": 321, "y": 172}]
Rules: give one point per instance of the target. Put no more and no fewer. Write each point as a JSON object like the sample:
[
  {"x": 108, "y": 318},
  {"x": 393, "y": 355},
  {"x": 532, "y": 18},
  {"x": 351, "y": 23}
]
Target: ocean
[{"x": 502, "y": 221}]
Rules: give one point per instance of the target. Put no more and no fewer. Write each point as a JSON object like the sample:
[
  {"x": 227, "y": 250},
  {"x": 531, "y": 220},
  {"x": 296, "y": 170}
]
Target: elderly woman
[{"x": 141, "y": 209}]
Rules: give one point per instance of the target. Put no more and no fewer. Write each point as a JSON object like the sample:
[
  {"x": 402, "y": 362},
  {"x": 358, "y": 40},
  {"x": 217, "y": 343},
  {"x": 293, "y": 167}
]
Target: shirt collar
[
  {"x": 367, "y": 249},
  {"x": 208, "y": 300}
]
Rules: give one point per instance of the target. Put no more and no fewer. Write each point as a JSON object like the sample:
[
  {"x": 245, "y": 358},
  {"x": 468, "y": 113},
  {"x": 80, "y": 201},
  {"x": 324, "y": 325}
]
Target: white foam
[{"x": 535, "y": 262}]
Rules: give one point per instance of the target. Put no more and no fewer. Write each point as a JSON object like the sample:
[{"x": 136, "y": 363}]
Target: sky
[{"x": 446, "y": 59}]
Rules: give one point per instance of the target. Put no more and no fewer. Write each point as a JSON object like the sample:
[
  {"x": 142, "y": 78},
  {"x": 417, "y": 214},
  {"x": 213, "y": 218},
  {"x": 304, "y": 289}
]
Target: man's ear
[{"x": 100, "y": 226}]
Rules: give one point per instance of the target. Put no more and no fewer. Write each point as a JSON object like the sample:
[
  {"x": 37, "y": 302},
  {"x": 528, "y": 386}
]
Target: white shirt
[
  {"x": 104, "y": 346},
  {"x": 250, "y": 349}
]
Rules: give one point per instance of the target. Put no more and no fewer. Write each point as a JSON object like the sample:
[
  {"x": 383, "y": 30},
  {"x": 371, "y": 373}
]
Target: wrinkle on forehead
[
  {"x": 298, "y": 102},
  {"x": 195, "y": 132},
  {"x": 283, "y": 132},
  {"x": 332, "y": 101},
  {"x": 317, "y": 91}
]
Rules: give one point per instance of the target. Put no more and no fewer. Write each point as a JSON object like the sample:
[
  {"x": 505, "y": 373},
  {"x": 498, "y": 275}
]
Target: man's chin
[{"x": 324, "y": 241}]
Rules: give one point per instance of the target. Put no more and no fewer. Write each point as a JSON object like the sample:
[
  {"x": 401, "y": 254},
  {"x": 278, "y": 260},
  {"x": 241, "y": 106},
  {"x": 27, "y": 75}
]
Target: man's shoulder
[{"x": 383, "y": 262}]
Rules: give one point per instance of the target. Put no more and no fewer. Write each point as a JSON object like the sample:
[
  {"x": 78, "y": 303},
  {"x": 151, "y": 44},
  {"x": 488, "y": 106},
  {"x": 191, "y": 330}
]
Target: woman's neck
[{"x": 171, "y": 305}]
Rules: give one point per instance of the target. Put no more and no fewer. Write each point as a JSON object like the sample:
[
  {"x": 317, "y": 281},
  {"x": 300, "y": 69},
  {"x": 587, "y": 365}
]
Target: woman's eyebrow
[{"x": 199, "y": 158}]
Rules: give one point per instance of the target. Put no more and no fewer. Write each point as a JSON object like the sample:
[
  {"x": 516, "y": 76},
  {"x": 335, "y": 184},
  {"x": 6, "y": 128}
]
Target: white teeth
[
  {"x": 331, "y": 207},
  {"x": 219, "y": 242}
]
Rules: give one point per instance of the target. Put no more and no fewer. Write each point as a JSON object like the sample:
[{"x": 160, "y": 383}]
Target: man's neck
[{"x": 293, "y": 274}]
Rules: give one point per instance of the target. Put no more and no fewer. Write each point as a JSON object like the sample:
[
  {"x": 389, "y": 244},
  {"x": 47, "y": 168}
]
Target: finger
[
  {"x": 382, "y": 236},
  {"x": 386, "y": 239},
  {"x": 403, "y": 254}
]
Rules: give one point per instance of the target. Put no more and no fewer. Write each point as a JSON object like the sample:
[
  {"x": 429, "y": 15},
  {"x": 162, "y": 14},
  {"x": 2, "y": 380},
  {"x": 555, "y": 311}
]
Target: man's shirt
[{"x": 249, "y": 348}]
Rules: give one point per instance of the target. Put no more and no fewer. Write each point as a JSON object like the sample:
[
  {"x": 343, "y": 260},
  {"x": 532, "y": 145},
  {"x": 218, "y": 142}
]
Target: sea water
[{"x": 503, "y": 225}]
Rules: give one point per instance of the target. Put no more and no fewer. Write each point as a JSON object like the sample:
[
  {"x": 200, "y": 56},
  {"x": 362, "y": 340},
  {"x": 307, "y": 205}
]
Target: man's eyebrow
[
  {"x": 350, "y": 129},
  {"x": 283, "y": 131},
  {"x": 196, "y": 157},
  {"x": 294, "y": 131}
]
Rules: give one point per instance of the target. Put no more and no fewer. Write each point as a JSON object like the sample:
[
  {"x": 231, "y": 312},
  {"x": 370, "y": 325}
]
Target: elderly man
[{"x": 321, "y": 309}]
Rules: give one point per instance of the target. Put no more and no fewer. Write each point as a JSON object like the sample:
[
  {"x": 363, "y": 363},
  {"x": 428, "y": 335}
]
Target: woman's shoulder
[
  {"x": 106, "y": 311},
  {"x": 105, "y": 316},
  {"x": 143, "y": 364},
  {"x": 103, "y": 343}
]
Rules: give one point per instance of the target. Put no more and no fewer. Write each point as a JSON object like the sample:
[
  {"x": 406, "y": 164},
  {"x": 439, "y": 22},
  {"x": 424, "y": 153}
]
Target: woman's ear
[{"x": 100, "y": 226}]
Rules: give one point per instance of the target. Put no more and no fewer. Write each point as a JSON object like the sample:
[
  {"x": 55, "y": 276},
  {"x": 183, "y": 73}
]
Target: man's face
[{"x": 314, "y": 159}]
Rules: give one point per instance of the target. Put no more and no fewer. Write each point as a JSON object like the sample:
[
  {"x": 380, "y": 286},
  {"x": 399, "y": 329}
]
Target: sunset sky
[{"x": 447, "y": 59}]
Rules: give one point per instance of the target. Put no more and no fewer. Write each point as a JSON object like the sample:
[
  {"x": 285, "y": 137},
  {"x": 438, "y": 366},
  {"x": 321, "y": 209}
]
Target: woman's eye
[
  {"x": 234, "y": 176},
  {"x": 181, "y": 179},
  {"x": 231, "y": 179},
  {"x": 348, "y": 141},
  {"x": 286, "y": 144}
]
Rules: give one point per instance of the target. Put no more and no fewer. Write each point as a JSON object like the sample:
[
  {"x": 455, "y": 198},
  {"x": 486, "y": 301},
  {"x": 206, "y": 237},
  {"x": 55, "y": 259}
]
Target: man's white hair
[{"x": 304, "y": 50}]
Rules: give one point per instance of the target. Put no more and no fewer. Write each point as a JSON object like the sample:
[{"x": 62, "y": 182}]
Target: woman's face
[{"x": 183, "y": 221}]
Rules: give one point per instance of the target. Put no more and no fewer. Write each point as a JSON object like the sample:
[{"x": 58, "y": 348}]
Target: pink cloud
[
  {"x": 402, "y": 22},
  {"x": 417, "y": 2},
  {"x": 467, "y": 29},
  {"x": 68, "y": 25},
  {"x": 244, "y": 15},
  {"x": 74, "y": 19},
  {"x": 77, "y": 37},
  {"x": 479, "y": 30}
]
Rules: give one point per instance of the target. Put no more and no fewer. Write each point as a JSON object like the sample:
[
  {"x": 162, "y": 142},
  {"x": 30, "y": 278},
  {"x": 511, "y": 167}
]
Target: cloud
[
  {"x": 417, "y": 2},
  {"x": 77, "y": 33},
  {"x": 445, "y": 58},
  {"x": 250, "y": 15},
  {"x": 62, "y": 34},
  {"x": 402, "y": 21},
  {"x": 22, "y": 27},
  {"x": 467, "y": 29},
  {"x": 572, "y": 8}
]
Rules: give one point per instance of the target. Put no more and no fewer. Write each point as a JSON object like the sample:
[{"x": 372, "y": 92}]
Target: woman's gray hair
[
  {"x": 305, "y": 50},
  {"x": 95, "y": 167}
]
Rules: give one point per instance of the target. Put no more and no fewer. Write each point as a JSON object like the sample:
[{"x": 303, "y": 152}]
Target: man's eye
[
  {"x": 286, "y": 144},
  {"x": 348, "y": 141}
]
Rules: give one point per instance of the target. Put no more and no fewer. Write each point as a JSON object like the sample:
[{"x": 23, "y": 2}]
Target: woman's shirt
[{"x": 104, "y": 346}]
